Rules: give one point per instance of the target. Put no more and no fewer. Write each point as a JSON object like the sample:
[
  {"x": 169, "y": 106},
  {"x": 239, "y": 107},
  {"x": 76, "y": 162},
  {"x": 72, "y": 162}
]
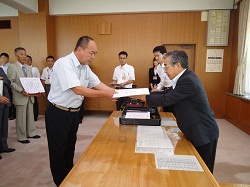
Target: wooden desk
[{"x": 110, "y": 160}]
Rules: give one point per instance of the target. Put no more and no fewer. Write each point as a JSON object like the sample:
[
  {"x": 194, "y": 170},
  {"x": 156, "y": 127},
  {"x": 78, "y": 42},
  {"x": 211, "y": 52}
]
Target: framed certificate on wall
[{"x": 218, "y": 27}]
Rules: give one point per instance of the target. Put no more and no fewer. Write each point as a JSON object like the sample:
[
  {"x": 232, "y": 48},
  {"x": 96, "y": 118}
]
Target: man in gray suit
[
  {"x": 194, "y": 116},
  {"x": 25, "y": 125}
]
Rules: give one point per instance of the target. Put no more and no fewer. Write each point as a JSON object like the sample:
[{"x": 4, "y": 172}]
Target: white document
[
  {"x": 152, "y": 137},
  {"x": 149, "y": 132},
  {"x": 154, "y": 142},
  {"x": 177, "y": 162},
  {"x": 168, "y": 122},
  {"x": 32, "y": 85},
  {"x": 1, "y": 87},
  {"x": 153, "y": 150},
  {"x": 131, "y": 92},
  {"x": 137, "y": 115}
]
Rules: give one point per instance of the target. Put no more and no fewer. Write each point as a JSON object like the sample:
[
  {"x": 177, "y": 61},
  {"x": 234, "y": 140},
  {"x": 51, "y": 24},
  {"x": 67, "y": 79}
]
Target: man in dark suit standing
[
  {"x": 4, "y": 113},
  {"x": 194, "y": 116}
]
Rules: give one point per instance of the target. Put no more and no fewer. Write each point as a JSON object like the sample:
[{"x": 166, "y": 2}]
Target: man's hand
[
  {"x": 25, "y": 93},
  {"x": 4, "y": 100},
  {"x": 110, "y": 94},
  {"x": 154, "y": 90}
]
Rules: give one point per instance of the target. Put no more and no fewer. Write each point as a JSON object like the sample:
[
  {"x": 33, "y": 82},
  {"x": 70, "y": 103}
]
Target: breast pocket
[{"x": 84, "y": 82}]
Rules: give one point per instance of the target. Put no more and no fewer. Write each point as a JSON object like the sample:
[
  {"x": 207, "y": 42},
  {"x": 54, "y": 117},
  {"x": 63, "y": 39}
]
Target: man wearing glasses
[
  {"x": 72, "y": 81},
  {"x": 124, "y": 76},
  {"x": 194, "y": 116}
]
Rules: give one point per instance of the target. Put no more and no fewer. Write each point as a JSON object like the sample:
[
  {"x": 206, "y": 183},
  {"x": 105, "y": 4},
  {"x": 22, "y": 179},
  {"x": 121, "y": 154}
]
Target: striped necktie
[{"x": 24, "y": 71}]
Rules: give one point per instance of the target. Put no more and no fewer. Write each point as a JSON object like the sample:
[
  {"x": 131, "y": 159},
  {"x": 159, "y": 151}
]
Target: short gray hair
[{"x": 178, "y": 56}]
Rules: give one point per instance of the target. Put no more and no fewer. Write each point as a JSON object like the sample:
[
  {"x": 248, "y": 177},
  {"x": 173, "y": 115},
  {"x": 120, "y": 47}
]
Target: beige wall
[{"x": 137, "y": 34}]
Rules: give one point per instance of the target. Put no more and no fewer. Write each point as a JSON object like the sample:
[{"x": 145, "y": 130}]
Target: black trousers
[
  {"x": 35, "y": 108},
  {"x": 120, "y": 102},
  {"x": 81, "y": 112},
  {"x": 207, "y": 153},
  {"x": 61, "y": 128}
]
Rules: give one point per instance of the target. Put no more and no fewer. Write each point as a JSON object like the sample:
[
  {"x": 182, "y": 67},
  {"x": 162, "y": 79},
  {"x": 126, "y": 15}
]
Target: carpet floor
[{"x": 28, "y": 166}]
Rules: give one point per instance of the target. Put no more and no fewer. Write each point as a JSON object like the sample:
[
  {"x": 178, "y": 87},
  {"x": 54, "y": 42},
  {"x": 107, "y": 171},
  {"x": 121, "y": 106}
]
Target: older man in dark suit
[
  {"x": 4, "y": 113},
  {"x": 193, "y": 113}
]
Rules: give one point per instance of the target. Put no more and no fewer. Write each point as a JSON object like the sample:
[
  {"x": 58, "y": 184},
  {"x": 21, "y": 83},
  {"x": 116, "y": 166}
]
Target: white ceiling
[{"x": 9, "y": 8}]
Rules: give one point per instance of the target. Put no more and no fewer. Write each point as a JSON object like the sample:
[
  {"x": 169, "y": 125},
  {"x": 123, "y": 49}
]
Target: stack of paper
[
  {"x": 168, "y": 122},
  {"x": 151, "y": 139}
]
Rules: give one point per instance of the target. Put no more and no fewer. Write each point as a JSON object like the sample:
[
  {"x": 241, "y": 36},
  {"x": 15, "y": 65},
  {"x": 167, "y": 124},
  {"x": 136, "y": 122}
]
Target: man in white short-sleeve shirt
[
  {"x": 36, "y": 74},
  {"x": 72, "y": 80},
  {"x": 124, "y": 75},
  {"x": 47, "y": 73}
]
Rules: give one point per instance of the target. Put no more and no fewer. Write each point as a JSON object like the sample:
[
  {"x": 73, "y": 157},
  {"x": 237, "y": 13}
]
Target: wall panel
[{"x": 10, "y": 38}]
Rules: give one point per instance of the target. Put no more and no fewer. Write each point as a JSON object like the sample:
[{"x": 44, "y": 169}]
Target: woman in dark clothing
[{"x": 154, "y": 78}]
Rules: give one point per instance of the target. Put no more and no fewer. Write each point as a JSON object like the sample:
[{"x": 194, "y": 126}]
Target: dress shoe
[
  {"x": 35, "y": 137},
  {"x": 0, "y": 157},
  {"x": 7, "y": 150},
  {"x": 24, "y": 141}
]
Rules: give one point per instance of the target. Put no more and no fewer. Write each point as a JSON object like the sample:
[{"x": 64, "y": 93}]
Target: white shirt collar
[
  {"x": 75, "y": 60},
  {"x": 177, "y": 78}
]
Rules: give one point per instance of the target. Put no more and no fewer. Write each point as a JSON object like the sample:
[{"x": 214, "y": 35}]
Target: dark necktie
[{"x": 24, "y": 71}]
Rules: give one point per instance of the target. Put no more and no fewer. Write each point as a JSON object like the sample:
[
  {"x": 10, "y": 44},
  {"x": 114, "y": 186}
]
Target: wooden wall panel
[
  {"x": 137, "y": 34},
  {"x": 10, "y": 38},
  {"x": 34, "y": 36},
  {"x": 180, "y": 27},
  {"x": 237, "y": 112}
]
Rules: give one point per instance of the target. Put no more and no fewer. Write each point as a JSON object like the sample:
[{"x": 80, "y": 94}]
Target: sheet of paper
[
  {"x": 32, "y": 85},
  {"x": 152, "y": 136},
  {"x": 131, "y": 92},
  {"x": 1, "y": 87},
  {"x": 138, "y": 115},
  {"x": 153, "y": 150},
  {"x": 149, "y": 132},
  {"x": 168, "y": 122},
  {"x": 154, "y": 142},
  {"x": 177, "y": 162}
]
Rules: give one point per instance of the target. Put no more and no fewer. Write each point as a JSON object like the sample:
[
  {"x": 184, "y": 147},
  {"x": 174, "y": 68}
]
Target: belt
[{"x": 66, "y": 109}]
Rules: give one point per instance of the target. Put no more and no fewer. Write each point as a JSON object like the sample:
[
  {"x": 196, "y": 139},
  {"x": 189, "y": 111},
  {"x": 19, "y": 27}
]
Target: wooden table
[{"x": 110, "y": 160}]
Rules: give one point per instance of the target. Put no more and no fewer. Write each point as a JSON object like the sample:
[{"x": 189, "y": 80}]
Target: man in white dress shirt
[
  {"x": 35, "y": 73},
  {"x": 47, "y": 73},
  {"x": 166, "y": 84},
  {"x": 4, "y": 57},
  {"x": 124, "y": 75},
  {"x": 72, "y": 80}
]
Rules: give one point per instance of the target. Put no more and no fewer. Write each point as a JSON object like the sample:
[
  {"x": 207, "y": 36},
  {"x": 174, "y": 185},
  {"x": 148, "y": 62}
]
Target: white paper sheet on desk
[
  {"x": 154, "y": 142},
  {"x": 149, "y": 132},
  {"x": 153, "y": 150},
  {"x": 177, "y": 162},
  {"x": 167, "y": 122},
  {"x": 131, "y": 92},
  {"x": 32, "y": 85}
]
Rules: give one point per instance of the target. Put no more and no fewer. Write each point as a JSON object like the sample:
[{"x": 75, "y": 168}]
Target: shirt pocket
[{"x": 84, "y": 82}]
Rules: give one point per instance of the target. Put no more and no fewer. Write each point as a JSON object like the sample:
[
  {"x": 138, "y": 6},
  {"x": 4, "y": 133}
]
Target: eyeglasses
[
  {"x": 166, "y": 66},
  {"x": 122, "y": 58}
]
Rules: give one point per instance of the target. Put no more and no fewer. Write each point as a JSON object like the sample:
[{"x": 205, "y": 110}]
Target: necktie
[{"x": 24, "y": 71}]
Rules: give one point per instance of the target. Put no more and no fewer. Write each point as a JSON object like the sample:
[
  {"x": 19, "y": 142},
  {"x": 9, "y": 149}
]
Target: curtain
[{"x": 241, "y": 84}]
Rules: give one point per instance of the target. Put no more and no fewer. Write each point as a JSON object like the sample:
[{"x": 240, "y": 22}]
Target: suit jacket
[
  {"x": 5, "y": 86},
  {"x": 14, "y": 73},
  {"x": 194, "y": 116}
]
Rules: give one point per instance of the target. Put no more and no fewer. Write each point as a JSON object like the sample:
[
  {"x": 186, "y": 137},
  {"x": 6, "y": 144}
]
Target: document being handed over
[{"x": 131, "y": 92}]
